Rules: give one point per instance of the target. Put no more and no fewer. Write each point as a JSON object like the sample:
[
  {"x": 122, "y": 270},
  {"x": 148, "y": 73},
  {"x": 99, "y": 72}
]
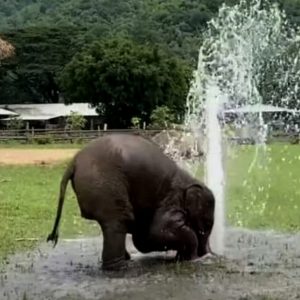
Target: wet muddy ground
[{"x": 258, "y": 265}]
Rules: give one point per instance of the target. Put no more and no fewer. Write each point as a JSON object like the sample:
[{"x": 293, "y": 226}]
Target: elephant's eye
[{"x": 208, "y": 224}]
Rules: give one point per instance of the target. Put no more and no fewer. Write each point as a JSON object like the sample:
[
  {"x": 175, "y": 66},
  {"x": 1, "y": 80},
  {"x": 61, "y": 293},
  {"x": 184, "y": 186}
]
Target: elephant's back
[
  {"x": 127, "y": 150},
  {"x": 147, "y": 170}
]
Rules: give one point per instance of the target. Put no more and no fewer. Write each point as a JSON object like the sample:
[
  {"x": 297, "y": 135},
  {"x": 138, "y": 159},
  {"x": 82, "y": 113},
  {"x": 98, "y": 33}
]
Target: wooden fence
[{"x": 45, "y": 136}]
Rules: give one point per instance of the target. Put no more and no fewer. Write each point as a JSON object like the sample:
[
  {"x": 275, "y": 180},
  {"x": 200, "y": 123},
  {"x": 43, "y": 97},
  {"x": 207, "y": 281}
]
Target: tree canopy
[
  {"x": 46, "y": 34},
  {"x": 124, "y": 80}
]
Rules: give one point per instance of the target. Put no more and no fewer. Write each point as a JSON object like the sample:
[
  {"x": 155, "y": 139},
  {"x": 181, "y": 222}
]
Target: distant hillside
[
  {"x": 47, "y": 33},
  {"x": 175, "y": 23}
]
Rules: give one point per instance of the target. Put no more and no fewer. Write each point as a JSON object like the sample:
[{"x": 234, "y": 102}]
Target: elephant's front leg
[{"x": 169, "y": 231}]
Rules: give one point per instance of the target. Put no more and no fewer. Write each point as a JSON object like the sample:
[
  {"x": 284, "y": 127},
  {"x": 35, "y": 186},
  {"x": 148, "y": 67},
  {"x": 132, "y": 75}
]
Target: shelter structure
[
  {"x": 4, "y": 113},
  {"x": 275, "y": 119},
  {"x": 50, "y": 115}
]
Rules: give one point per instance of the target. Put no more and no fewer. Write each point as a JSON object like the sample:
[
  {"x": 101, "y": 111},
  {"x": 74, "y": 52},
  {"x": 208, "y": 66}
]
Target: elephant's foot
[
  {"x": 180, "y": 256},
  {"x": 117, "y": 264}
]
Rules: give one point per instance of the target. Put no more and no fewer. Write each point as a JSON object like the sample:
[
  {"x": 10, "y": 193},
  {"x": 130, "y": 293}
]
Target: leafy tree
[
  {"x": 76, "y": 121},
  {"x": 40, "y": 55},
  {"x": 162, "y": 117},
  {"x": 47, "y": 34},
  {"x": 15, "y": 123},
  {"x": 127, "y": 79},
  {"x": 135, "y": 121}
]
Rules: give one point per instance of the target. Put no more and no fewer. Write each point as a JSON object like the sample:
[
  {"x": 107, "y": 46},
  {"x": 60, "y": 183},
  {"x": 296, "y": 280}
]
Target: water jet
[{"x": 244, "y": 49}]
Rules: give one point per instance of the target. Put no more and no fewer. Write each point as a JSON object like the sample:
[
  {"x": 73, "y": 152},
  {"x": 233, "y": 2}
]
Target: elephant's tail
[{"x": 63, "y": 185}]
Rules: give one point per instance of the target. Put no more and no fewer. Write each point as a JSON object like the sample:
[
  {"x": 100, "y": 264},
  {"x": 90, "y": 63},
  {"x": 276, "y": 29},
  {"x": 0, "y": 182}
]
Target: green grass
[
  {"x": 266, "y": 198},
  {"x": 28, "y": 201}
]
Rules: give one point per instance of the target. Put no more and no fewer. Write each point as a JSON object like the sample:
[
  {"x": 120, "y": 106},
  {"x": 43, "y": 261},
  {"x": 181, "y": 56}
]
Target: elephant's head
[{"x": 199, "y": 204}]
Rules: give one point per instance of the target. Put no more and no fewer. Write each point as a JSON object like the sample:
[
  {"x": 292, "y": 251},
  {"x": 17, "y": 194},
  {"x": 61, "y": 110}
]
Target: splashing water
[{"x": 243, "y": 47}]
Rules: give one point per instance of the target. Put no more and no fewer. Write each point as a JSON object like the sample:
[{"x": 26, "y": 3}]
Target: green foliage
[
  {"x": 76, "y": 121},
  {"x": 15, "y": 123},
  {"x": 135, "y": 121},
  {"x": 40, "y": 54},
  {"x": 47, "y": 34},
  {"x": 28, "y": 206},
  {"x": 161, "y": 118},
  {"x": 42, "y": 139},
  {"x": 268, "y": 196},
  {"x": 127, "y": 79}
]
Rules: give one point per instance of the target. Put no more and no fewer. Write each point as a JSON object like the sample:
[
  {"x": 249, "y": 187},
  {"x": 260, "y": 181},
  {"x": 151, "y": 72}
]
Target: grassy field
[
  {"x": 266, "y": 198},
  {"x": 28, "y": 201}
]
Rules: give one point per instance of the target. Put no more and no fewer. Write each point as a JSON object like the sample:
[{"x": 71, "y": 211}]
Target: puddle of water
[{"x": 258, "y": 265}]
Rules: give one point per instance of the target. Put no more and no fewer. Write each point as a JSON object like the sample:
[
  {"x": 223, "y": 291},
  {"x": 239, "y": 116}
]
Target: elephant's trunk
[
  {"x": 208, "y": 249},
  {"x": 63, "y": 185}
]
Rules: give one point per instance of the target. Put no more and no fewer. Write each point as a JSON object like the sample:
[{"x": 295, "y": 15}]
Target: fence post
[
  {"x": 144, "y": 125},
  {"x": 98, "y": 128},
  {"x": 105, "y": 127},
  {"x": 92, "y": 124},
  {"x": 32, "y": 132}
]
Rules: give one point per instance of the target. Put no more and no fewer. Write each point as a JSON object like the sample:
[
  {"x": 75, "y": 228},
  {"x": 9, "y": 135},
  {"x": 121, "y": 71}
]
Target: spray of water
[{"x": 244, "y": 49}]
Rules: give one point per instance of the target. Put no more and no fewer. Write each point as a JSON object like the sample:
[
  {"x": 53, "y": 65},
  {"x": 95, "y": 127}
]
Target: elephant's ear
[
  {"x": 199, "y": 197},
  {"x": 191, "y": 196}
]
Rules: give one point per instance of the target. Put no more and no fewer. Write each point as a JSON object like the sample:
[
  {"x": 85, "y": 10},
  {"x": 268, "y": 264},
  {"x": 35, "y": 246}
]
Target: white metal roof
[
  {"x": 260, "y": 108},
  {"x": 5, "y": 112},
  {"x": 50, "y": 110},
  {"x": 36, "y": 118}
]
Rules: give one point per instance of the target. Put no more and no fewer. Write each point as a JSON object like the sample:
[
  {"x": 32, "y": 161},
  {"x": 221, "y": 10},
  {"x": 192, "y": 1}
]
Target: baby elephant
[{"x": 128, "y": 185}]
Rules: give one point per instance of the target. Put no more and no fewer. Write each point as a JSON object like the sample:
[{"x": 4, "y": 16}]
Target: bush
[
  {"x": 76, "y": 121},
  {"x": 15, "y": 123},
  {"x": 161, "y": 118},
  {"x": 42, "y": 139},
  {"x": 135, "y": 121}
]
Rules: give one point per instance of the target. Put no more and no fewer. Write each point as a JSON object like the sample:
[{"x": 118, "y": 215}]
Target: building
[
  {"x": 247, "y": 125},
  {"x": 4, "y": 113},
  {"x": 49, "y": 115}
]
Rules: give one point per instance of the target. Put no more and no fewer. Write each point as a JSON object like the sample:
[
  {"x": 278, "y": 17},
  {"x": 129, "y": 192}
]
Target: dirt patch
[
  {"x": 257, "y": 265},
  {"x": 34, "y": 156}
]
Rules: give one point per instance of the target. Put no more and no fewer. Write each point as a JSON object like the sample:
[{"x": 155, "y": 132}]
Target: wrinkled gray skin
[{"x": 128, "y": 185}]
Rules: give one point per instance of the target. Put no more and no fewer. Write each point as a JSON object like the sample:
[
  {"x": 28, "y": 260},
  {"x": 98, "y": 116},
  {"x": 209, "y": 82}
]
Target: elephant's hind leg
[
  {"x": 114, "y": 254},
  {"x": 102, "y": 196},
  {"x": 115, "y": 220}
]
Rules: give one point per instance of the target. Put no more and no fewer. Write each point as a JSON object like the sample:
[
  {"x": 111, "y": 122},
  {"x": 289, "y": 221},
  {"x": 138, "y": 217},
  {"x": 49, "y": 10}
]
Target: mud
[{"x": 257, "y": 265}]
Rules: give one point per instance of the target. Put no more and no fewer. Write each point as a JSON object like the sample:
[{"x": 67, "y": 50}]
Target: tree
[
  {"x": 127, "y": 79},
  {"x": 135, "y": 121},
  {"x": 15, "y": 123},
  {"x": 162, "y": 117},
  {"x": 40, "y": 55},
  {"x": 76, "y": 121},
  {"x": 47, "y": 33}
]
